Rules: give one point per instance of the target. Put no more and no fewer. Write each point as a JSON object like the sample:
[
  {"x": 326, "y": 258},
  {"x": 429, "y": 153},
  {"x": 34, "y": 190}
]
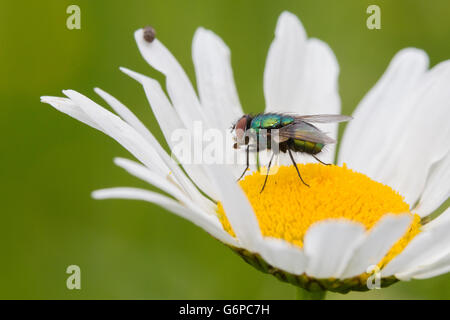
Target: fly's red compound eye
[{"x": 240, "y": 128}]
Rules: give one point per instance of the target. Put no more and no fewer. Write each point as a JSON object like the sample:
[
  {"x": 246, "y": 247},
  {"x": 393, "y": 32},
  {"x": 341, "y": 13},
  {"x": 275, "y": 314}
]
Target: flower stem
[{"x": 302, "y": 294}]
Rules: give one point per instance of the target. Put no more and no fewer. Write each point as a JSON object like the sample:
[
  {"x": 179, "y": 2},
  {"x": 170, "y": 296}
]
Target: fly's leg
[
  {"x": 327, "y": 164},
  {"x": 248, "y": 163},
  {"x": 267, "y": 175},
  {"x": 295, "y": 165}
]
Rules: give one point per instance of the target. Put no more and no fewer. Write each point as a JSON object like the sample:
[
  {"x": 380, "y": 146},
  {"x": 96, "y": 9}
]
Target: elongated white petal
[
  {"x": 316, "y": 91},
  {"x": 74, "y": 110},
  {"x": 133, "y": 141},
  {"x": 438, "y": 263},
  {"x": 119, "y": 131},
  {"x": 377, "y": 243},
  {"x": 329, "y": 245},
  {"x": 169, "y": 122},
  {"x": 301, "y": 76},
  {"x": 401, "y": 127},
  {"x": 379, "y": 107},
  {"x": 204, "y": 221},
  {"x": 437, "y": 188},
  {"x": 237, "y": 207},
  {"x": 319, "y": 94},
  {"x": 283, "y": 255},
  {"x": 284, "y": 64},
  {"x": 129, "y": 117},
  {"x": 215, "y": 80},
  {"x": 425, "y": 248},
  {"x": 439, "y": 221},
  {"x": 165, "y": 114},
  {"x": 428, "y": 271},
  {"x": 70, "y": 108},
  {"x": 152, "y": 178},
  {"x": 179, "y": 87}
]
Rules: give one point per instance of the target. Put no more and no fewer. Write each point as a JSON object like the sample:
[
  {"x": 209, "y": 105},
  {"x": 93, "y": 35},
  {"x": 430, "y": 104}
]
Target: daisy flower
[{"x": 361, "y": 220}]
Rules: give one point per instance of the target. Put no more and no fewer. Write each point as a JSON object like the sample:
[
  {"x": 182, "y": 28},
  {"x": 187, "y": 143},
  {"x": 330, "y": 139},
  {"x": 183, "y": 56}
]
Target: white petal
[
  {"x": 215, "y": 80},
  {"x": 70, "y": 108},
  {"x": 237, "y": 207},
  {"x": 432, "y": 270},
  {"x": 425, "y": 248},
  {"x": 401, "y": 126},
  {"x": 165, "y": 114},
  {"x": 74, "y": 110},
  {"x": 204, "y": 221},
  {"x": 283, "y": 255},
  {"x": 129, "y": 117},
  {"x": 377, "y": 243},
  {"x": 329, "y": 245},
  {"x": 319, "y": 93},
  {"x": 119, "y": 131},
  {"x": 128, "y": 137},
  {"x": 179, "y": 87},
  {"x": 285, "y": 60},
  {"x": 440, "y": 262},
  {"x": 169, "y": 121},
  {"x": 437, "y": 188},
  {"x": 301, "y": 76},
  {"x": 152, "y": 178},
  {"x": 437, "y": 222},
  {"x": 380, "y": 105}
]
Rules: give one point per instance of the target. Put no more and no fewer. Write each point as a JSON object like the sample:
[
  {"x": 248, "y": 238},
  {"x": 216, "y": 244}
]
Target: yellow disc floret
[{"x": 287, "y": 208}]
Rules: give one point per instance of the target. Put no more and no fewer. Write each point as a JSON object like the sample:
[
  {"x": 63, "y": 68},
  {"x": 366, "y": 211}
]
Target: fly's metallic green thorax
[{"x": 270, "y": 121}]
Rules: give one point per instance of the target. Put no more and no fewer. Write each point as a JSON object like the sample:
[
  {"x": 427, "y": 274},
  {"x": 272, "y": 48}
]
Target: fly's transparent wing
[
  {"x": 304, "y": 131},
  {"x": 324, "y": 118}
]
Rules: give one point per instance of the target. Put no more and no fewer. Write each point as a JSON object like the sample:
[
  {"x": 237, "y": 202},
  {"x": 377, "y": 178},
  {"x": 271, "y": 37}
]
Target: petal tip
[
  {"x": 132, "y": 74},
  {"x": 97, "y": 195},
  {"x": 289, "y": 20},
  {"x": 45, "y": 99}
]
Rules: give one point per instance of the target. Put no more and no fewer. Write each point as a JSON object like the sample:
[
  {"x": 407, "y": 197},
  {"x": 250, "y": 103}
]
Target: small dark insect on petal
[{"x": 149, "y": 34}]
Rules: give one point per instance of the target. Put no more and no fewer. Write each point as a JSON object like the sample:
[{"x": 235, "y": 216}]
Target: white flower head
[{"x": 393, "y": 166}]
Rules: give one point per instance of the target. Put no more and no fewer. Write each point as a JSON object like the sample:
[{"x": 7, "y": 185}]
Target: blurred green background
[{"x": 50, "y": 163}]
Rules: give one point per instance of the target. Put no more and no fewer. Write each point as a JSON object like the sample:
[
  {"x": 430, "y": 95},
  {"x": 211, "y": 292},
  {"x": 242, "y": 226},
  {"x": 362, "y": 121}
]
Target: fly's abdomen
[{"x": 307, "y": 146}]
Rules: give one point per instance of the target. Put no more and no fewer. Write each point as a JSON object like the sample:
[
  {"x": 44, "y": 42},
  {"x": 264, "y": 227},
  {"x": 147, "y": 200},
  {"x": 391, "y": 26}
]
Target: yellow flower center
[{"x": 287, "y": 208}]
